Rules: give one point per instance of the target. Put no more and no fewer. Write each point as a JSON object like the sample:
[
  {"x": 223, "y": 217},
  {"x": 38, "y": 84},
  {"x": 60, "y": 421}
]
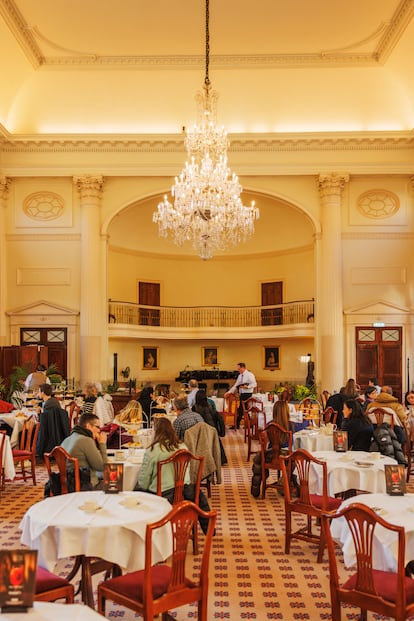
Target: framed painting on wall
[
  {"x": 271, "y": 357},
  {"x": 150, "y": 358},
  {"x": 209, "y": 356}
]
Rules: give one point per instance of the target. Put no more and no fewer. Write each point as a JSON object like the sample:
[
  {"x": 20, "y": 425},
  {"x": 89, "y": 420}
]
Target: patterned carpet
[{"x": 251, "y": 577}]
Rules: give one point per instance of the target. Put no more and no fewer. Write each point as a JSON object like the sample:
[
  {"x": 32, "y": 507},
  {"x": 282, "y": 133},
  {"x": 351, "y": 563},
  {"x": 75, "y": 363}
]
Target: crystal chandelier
[{"x": 207, "y": 207}]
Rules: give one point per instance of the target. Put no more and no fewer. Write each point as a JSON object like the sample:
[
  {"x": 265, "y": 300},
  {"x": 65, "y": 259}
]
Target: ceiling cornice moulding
[{"x": 163, "y": 143}]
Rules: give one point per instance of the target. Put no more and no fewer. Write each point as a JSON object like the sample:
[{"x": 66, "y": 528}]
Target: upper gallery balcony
[{"x": 284, "y": 320}]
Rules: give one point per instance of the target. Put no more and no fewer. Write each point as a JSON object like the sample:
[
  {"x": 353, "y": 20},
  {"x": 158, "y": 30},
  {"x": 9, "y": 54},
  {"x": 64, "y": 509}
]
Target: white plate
[
  {"x": 363, "y": 464},
  {"x": 90, "y": 509},
  {"x": 130, "y": 506}
]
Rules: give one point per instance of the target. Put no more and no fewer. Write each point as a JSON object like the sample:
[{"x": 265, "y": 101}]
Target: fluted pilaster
[
  {"x": 93, "y": 281},
  {"x": 4, "y": 187},
  {"x": 329, "y": 291}
]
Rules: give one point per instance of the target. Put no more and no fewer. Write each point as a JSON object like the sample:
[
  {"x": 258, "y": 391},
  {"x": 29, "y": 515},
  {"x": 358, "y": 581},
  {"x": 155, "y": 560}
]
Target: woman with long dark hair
[
  {"x": 358, "y": 426},
  {"x": 165, "y": 444}
]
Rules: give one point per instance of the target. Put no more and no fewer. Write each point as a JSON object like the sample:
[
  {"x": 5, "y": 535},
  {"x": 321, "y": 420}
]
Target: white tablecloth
[
  {"x": 312, "y": 440},
  {"x": 219, "y": 403},
  {"x": 344, "y": 473},
  {"x": 398, "y": 510},
  {"x": 8, "y": 465},
  {"x": 58, "y": 528},
  {"x": 16, "y": 422},
  {"x": 47, "y": 611}
]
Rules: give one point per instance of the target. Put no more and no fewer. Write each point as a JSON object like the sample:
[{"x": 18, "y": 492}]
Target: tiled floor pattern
[{"x": 250, "y": 577}]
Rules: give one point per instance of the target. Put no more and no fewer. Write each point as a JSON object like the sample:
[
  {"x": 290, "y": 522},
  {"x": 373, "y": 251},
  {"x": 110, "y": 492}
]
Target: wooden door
[
  {"x": 379, "y": 355},
  {"x": 44, "y": 346},
  {"x": 272, "y": 294},
  {"x": 149, "y": 295}
]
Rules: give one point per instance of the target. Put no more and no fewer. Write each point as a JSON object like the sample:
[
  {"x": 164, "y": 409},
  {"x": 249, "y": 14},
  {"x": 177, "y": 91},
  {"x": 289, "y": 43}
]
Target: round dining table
[
  {"x": 63, "y": 526},
  {"x": 398, "y": 510},
  {"x": 352, "y": 470},
  {"x": 50, "y": 611},
  {"x": 7, "y": 461}
]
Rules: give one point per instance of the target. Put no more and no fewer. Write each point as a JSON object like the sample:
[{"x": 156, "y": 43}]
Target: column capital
[
  {"x": 332, "y": 184},
  {"x": 89, "y": 186},
  {"x": 4, "y": 186},
  {"x": 411, "y": 182}
]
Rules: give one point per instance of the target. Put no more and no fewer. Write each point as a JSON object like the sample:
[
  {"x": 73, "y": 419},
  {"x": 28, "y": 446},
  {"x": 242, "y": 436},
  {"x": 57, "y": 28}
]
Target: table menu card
[
  {"x": 340, "y": 441},
  {"x": 113, "y": 477},
  {"x": 17, "y": 579},
  {"x": 395, "y": 479}
]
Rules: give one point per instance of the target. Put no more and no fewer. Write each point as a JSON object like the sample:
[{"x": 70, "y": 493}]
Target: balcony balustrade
[{"x": 290, "y": 313}]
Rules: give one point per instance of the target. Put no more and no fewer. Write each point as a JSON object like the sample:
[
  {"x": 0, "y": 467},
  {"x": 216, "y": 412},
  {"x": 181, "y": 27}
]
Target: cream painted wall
[
  {"x": 176, "y": 356},
  {"x": 211, "y": 283}
]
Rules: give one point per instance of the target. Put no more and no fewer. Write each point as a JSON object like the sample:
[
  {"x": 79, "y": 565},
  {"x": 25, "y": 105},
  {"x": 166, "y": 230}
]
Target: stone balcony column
[
  {"x": 93, "y": 282},
  {"x": 329, "y": 291},
  {"x": 4, "y": 186}
]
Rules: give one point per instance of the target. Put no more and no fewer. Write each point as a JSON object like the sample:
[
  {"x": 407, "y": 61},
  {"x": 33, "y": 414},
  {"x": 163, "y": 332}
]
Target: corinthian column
[
  {"x": 329, "y": 295},
  {"x": 4, "y": 186},
  {"x": 93, "y": 282}
]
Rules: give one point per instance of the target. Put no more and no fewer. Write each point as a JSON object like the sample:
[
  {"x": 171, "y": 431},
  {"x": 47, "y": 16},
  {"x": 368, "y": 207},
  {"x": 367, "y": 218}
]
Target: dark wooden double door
[
  {"x": 379, "y": 355},
  {"x": 38, "y": 346}
]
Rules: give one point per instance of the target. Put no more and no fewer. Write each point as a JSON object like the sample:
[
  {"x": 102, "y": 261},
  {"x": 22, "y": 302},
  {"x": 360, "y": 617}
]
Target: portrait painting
[
  {"x": 271, "y": 357},
  {"x": 150, "y": 358},
  {"x": 209, "y": 356}
]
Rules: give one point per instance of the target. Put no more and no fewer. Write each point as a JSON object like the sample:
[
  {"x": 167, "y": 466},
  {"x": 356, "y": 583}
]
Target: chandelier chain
[{"x": 207, "y": 78}]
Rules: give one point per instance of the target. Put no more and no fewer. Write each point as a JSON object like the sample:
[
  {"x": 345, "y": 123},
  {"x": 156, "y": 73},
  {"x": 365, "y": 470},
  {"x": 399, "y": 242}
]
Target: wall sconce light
[{"x": 306, "y": 359}]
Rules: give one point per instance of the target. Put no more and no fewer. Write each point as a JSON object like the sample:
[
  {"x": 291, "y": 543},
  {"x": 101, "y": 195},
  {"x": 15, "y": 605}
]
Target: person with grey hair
[
  {"x": 191, "y": 397},
  {"x": 186, "y": 418}
]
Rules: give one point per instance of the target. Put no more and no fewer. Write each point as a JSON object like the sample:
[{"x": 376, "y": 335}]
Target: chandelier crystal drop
[{"x": 207, "y": 208}]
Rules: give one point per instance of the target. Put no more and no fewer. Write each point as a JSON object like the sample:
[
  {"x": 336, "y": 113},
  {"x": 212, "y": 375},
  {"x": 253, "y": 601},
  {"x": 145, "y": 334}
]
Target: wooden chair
[
  {"x": 389, "y": 594},
  {"x": 251, "y": 406},
  {"x": 329, "y": 416},
  {"x": 280, "y": 440},
  {"x": 74, "y": 413},
  {"x": 311, "y": 505},
  {"x": 61, "y": 458},
  {"x": 181, "y": 461},
  {"x": 230, "y": 407},
  {"x": 50, "y": 587},
  {"x": 27, "y": 450},
  {"x": 379, "y": 415},
  {"x": 252, "y": 432},
  {"x": 159, "y": 588}
]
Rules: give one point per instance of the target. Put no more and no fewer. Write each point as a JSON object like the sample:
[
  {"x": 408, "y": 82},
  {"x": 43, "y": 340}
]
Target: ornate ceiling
[{"x": 132, "y": 67}]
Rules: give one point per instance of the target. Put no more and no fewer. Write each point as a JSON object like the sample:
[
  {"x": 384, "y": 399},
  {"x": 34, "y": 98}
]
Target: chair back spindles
[
  {"x": 387, "y": 593},
  {"x": 61, "y": 458}
]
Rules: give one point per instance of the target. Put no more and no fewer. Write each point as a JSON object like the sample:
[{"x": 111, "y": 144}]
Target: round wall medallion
[
  {"x": 378, "y": 203},
  {"x": 43, "y": 205}
]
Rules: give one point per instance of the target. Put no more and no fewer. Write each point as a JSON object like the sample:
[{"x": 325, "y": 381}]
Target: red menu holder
[
  {"x": 395, "y": 479},
  {"x": 340, "y": 441},
  {"x": 113, "y": 478},
  {"x": 17, "y": 579}
]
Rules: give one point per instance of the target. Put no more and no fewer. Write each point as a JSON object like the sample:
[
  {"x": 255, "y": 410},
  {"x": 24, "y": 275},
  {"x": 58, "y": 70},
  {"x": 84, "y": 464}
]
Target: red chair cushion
[
  {"x": 6, "y": 407},
  {"x": 45, "y": 581},
  {"x": 386, "y": 585},
  {"x": 20, "y": 453},
  {"x": 132, "y": 585},
  {"x": 331, "y": 505}
]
